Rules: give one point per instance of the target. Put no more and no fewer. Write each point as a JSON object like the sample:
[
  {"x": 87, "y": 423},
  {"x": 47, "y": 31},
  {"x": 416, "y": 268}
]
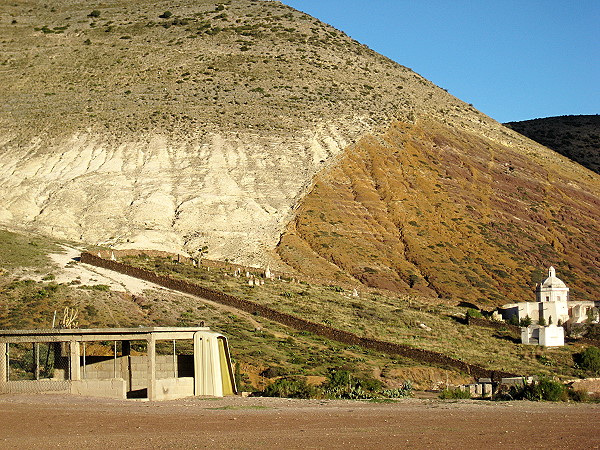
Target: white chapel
[
  {"x": 552, "y": 289},
  {"x": 549, "y": 313}
]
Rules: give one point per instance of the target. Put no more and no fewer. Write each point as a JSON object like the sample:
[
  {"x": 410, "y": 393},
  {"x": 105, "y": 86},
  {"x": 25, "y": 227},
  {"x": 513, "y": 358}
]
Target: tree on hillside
[{"x": 198, "y": 254}]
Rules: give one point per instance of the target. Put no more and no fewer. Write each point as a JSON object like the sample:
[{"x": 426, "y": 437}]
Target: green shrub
[
  {"x": 272, "y": 372},
  {"x": 589, "y": 360},
  {"x": 290, "y": 387},
  {"x": 474, "y": 313},
  {"x": 514, "y": 320},
  {"x": 544, "y": 389},
  {"x": 578, "y": 396},
  {"x": 593, "y": 331},
  {"x": 341, "y": 384},
  {"x": 166, "y": 15},
  {"x": 95, "y": 13},
  {"x": 413, "y": 279},
  {"x": 401, "y": 392},
  {"x": 454, "y": 393},
  {"x": 242, "y": 380},
  {"x": 525, "y": 322},
  {"x": 95, "y": 287},
  {"x": 91, "y": 311}
]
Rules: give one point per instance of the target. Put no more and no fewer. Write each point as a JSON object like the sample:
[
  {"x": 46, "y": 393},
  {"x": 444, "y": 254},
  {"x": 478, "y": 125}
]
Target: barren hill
[
  {"x": 173, "y": 126},
  {"x": 576, "y": 137}
]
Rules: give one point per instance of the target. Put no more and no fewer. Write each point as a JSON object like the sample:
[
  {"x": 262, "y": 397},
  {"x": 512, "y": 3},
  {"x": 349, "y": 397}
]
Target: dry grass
[
  {"x": 237, "y": 68},
  {"x": 20, "y": 250},
  {"x": 387, "y": 317}
]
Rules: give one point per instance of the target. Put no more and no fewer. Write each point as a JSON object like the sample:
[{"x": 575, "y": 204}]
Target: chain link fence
[{"x": 36, "y": 367}]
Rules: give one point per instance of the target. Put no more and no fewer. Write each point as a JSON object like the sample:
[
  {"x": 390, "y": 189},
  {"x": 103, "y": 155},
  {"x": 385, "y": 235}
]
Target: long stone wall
[{"x": 425, "y": 356}]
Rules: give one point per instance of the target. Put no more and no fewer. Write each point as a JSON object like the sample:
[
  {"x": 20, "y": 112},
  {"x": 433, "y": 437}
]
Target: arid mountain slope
[
  {"x": 151, "y": 124},
  {"x": 576, "y": 137},
  {"x": 447, "y": 213}
]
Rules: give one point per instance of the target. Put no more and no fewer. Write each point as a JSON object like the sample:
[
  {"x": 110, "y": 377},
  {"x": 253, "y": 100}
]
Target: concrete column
[
  {"x": 207, "y": 367},
  {"x": 151, "y": 367},
  {"x": 74, "y": 364},
  {"x": 126, "y": 363},
  {"x": 3, "y": 363},
  {"x": 36, "y": 359},
  {"x": 198, "y": 372}
]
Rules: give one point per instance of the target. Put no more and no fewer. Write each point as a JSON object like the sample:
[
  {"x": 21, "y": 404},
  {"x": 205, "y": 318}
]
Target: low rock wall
[{"x": 172, "y": 388}]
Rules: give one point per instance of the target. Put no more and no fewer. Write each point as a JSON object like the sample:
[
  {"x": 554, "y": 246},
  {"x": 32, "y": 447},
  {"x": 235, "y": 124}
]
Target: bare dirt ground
[
  {"x": 88, "y": 274},
  {"x": 50, "y": 421}
]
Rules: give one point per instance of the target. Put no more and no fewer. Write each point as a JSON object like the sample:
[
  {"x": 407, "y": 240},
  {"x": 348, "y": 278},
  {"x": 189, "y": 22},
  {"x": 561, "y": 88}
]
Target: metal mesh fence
[{"x": 36, "y": 367}]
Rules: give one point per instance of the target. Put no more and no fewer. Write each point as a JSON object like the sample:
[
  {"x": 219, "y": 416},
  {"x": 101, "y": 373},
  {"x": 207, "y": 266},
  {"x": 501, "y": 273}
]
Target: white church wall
[
  {"x": 551, "y": 336},
  {"x": 555, "y": 311},
  {"x": 531, "y": 309}
]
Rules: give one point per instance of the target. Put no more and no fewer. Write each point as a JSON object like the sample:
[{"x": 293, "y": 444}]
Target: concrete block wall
[
  {"x": 115, "y": 388},
  {"x": 139, "y": 372},
  {"x": 172, "y": 388},
  {"x": 134, "y": 369}
]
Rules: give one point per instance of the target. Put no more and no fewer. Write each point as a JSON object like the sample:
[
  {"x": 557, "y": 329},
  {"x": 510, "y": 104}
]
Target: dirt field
[{"x": 50, "y": 421}]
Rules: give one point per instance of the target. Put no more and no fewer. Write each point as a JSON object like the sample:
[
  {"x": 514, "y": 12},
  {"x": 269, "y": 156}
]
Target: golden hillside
[{"x": 442, "y": 212}]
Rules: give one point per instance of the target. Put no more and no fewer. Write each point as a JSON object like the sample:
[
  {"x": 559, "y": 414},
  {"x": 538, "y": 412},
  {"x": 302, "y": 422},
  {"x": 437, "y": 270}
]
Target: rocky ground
[{"x": 50, "y": 421}]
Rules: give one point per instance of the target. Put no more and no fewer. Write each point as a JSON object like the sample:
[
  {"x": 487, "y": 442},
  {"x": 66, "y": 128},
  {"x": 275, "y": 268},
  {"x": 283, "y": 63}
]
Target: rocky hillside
[
  {"x": 427, "y": 208},
  {"x": 146, "y": 124},
  {"x": 576, "y": 137},
  {"x": 177, "y": 126}
]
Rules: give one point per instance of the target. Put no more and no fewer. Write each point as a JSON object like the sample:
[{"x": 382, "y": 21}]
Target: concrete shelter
[{"x": 59, "y": 360}]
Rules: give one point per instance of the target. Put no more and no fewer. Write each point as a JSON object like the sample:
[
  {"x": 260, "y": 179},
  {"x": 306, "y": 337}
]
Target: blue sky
[{"x": 513, "y": 60}]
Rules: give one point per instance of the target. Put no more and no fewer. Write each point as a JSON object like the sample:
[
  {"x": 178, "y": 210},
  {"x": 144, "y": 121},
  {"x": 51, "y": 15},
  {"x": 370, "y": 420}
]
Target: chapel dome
[{"x": 552, "y": 281}]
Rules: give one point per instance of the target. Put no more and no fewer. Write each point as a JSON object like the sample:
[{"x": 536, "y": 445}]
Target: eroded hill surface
[
  {"x": 149, "y": 124},
  {"x": 576, "y": 137},
  {"x": 429, "y": 208}
]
